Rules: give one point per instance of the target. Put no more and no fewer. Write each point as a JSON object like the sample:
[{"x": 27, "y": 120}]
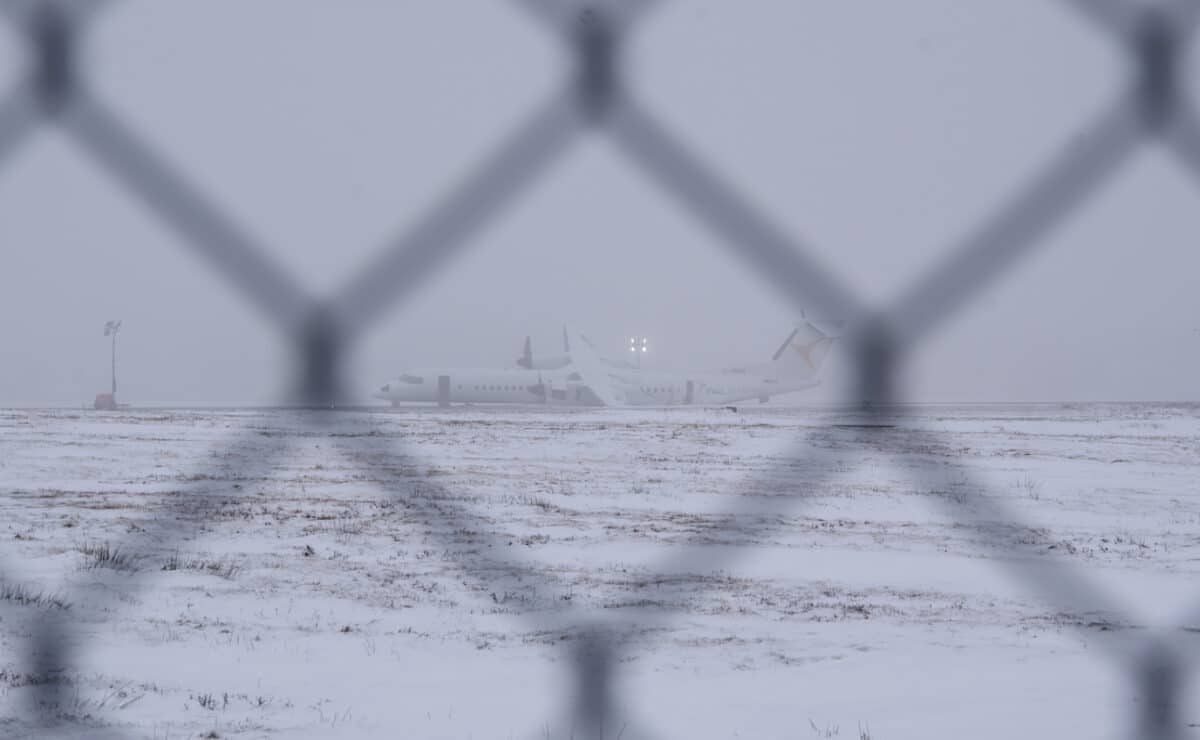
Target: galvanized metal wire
[{"x": 596, "y": 101}]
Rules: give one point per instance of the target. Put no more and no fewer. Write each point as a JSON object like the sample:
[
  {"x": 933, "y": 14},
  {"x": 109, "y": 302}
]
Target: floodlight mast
[
  {"x": 639, "y": 346},
  {"x": 110, "y": 329}
]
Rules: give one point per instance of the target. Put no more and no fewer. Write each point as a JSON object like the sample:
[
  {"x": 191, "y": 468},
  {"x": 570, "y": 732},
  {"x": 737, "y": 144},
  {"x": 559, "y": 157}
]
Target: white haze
[{"x": 878, "y": 133}]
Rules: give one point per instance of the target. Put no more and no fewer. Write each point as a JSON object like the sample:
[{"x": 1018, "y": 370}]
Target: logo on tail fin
[{"x": 806, "y": 350}]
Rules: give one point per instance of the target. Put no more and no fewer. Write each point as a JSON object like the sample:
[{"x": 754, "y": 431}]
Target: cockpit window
[
  {"x": 386, "y": 388},
  {"x": 412, "y": 378},
  {"x": 574, "y": 376}
]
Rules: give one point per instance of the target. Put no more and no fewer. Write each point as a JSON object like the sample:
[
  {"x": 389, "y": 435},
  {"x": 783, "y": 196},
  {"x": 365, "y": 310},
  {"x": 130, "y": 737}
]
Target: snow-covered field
[{"x": 772, "y": 573}]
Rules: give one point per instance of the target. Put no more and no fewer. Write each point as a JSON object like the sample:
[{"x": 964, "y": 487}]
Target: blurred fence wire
[{"x": 1152, "y": 111}]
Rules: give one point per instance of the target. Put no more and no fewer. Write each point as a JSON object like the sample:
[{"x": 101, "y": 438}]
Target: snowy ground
[{"x": 777, "y": 572}]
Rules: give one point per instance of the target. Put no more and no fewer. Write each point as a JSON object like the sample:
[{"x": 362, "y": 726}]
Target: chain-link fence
[{"x": 597, "y": 102}]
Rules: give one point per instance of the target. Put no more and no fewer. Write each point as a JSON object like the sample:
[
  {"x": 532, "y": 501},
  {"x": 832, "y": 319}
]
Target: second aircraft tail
[{"x": 804, "y": 351}]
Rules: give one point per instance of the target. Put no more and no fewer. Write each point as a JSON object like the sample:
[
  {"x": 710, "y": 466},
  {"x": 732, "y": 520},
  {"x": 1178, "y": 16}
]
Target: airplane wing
[
  {"x": 586, "y": 361},
  {"x": 619, "y": 364}
]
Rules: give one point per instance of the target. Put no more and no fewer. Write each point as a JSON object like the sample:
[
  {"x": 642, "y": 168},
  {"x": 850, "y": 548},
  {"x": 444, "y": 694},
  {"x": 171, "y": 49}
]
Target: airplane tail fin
[
  {"x": 803, "y": 352},
  {"x": 526, "y": 358}
]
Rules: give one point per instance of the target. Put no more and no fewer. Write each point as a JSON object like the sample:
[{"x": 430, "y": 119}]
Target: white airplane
[{"x": 587, "y": 379}]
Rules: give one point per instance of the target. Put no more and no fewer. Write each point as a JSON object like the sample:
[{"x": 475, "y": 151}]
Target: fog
[{"x": 875, "y": 134}]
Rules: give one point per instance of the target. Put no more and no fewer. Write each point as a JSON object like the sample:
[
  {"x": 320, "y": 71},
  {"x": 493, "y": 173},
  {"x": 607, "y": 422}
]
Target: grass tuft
[
  {"x": 22, "y": 594},
  {"x": 224, "y": 569},
  {"x": 102, "y": 555}
]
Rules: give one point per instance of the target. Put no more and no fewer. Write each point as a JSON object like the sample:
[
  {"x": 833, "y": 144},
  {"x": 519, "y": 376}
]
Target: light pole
[
  {"x": 639, "y": 346},
  {"x": 110, "y": 329}
]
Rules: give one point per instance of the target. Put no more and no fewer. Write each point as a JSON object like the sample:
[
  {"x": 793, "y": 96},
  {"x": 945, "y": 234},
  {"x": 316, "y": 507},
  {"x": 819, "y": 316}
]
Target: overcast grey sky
[{"x": 880, "y": 133}]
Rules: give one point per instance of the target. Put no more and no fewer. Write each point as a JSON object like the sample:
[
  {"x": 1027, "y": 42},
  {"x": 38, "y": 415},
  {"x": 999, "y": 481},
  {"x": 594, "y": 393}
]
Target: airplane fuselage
[
  {"x": 634, "y": 387},
  {"x": 476, "y": 385},
  {"x": 659, "y": 388}
]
